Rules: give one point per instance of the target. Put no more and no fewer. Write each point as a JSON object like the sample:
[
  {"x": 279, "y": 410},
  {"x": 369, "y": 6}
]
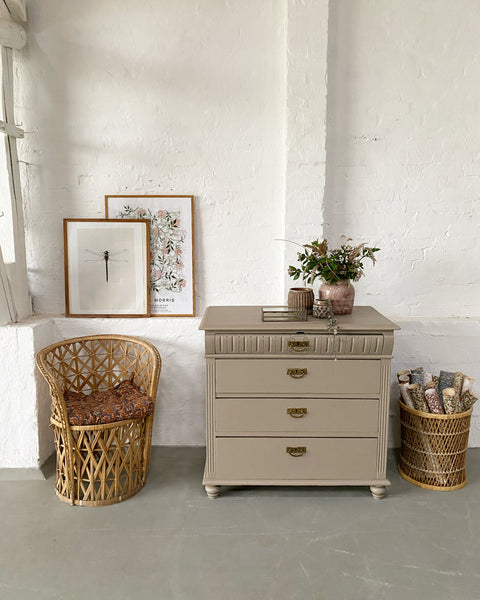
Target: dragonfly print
[{"x": 107, "y": 257}]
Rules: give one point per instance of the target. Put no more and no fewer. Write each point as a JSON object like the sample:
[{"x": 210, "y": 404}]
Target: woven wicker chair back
[
  {"x": 91, "y": 363},
  {"x": 94, "y": 363}
]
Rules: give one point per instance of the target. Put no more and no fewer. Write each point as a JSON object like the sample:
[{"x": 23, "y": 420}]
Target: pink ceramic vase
[{"x": 341, "y": 294}]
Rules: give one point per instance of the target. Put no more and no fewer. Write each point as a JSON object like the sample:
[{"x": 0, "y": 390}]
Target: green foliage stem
[{"x": 340, "y": 264}]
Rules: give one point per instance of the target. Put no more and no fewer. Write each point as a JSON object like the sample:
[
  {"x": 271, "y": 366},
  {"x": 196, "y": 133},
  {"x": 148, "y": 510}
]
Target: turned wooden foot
[
  {"x": 213, "y": 491},
  {"x": 378, "y": 491}
]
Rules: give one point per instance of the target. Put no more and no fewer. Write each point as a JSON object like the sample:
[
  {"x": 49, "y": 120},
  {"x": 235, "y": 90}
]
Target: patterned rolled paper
[
  {"x": 467, "y": 384},
  {"x": 467, "y": 400},
  {"x": 403, "y": 379},
  {"x": 433, "y": 401},
  {"x": 417, "y": 378},
  {"x": 450, "y": 403},
  {"x": 401, "y": 375},
  {"x": 435, "y": 379},
  {"x": 457, "y": 385},
  {"x": 407, "y": 399},
  {"x": 445, "y": 380},
  {"x": 427, "y": 378},
  {"x": 417, "y": 370},
  {"x": 416, "y": 392}
]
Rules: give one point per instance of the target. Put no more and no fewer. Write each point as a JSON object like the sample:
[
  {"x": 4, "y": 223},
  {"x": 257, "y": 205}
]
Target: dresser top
[{"x": 249, "y": 318}]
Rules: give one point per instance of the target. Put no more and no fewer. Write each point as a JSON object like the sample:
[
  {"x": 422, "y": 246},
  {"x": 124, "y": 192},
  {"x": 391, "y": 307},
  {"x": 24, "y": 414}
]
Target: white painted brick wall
[
  {"x": 403, "y": 145},
  {"x": 156, "y": 98},
  {"x": 403, "y": 171},
  {"x": 26, "y": 440},
  {"x": 192, "y": 97}
]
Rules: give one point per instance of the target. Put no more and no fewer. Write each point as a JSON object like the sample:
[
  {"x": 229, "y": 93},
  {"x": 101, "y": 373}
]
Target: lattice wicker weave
[
  {"x": 99, "y": 464},
  {"x": 434, "y": 448}
]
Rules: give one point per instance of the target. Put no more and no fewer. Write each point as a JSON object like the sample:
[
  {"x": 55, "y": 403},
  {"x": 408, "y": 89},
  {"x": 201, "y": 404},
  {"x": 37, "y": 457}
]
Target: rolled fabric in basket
[
  {"x": 403, "y": 379},
  {"x": 433, "y": 401},
  {"x": 416, "y": 392},
  {"x": 402, "y": 374},
  {"x": 467, "y": 384},
  {"x": 450, "y": 403},
  {"x": 407, "y": 399},
  {"x": 467, "y": 400},
  {"x": 417, "y": 378},
  {"x": 427, "y": 378},
  {"x": 435, "y": 379},
  {"x": 445, "y": 380},
  {"x": 457, "y": 384},
  {"x": 417, "y": 370}
]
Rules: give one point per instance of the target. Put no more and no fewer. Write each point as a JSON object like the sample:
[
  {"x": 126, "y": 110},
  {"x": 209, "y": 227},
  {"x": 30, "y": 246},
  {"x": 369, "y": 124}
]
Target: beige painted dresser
[{"x": 289, "y": 403}]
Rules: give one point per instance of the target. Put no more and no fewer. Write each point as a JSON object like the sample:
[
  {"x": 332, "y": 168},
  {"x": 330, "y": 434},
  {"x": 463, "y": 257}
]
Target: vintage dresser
[{"x": 288, "y": 403}]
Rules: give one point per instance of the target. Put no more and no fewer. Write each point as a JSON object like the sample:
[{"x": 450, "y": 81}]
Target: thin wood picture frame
[
  {"x": 107, "y": 270},
  {"x": 172, "y": 257}
]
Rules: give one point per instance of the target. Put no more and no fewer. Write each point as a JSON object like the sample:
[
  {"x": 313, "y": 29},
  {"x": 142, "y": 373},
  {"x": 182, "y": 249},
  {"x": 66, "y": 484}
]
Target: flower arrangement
[{"x": 341, "y": 264}]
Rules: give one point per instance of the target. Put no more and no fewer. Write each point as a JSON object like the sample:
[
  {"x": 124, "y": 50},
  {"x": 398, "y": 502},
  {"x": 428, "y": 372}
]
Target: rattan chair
[{"x": 107, "y": 463}]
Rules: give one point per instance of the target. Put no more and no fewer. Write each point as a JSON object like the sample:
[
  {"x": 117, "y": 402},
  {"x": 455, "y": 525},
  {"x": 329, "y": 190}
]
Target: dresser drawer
[
  {"x": 290, "y": 376},
  {"x": 323, "y": 416},
  {"x": 295, "y": 344},
  {"x": 268, "y": 459}
]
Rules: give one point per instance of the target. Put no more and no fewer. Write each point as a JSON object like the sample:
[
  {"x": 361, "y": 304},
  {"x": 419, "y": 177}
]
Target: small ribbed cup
[{"x": 301, "y": 298}]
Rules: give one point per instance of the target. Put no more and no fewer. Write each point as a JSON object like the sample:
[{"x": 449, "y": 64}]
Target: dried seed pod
[
  {"x": 450, "y": 404},
  {"x": 416, "y": 392},
  {"x": 433, "y": 401}
]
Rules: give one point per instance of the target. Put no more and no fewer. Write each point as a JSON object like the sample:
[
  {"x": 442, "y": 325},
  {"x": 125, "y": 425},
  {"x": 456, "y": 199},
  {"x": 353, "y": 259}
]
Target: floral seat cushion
[{"x": 124, "y": 401}]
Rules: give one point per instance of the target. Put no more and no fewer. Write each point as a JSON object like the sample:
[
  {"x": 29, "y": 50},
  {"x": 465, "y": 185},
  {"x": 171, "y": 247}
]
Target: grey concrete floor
[{"x": 171, "y": 542}]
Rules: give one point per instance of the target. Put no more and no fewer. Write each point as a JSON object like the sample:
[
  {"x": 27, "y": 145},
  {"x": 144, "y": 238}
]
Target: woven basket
[
  {"x": 99, "y": 464},
  {"x": 434, "y": 448}
]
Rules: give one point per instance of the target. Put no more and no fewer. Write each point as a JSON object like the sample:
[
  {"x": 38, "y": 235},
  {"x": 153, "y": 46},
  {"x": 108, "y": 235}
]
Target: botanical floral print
[{"x": 166, "y": 240}]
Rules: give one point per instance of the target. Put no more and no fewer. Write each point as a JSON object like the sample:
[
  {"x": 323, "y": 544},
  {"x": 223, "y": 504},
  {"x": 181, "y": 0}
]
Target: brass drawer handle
[
  {"x": 296, "y": 413},
  {"x": 296, "y": 450},
  {"x": 297, "y": 373},
  {"x": 298, "y": 345}
]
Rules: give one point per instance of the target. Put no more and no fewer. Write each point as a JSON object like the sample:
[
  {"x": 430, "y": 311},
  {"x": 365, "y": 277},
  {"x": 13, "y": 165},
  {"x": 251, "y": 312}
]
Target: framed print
[
  {"x": 172, "y": 277},
  {"x": 107, "y": 270}
]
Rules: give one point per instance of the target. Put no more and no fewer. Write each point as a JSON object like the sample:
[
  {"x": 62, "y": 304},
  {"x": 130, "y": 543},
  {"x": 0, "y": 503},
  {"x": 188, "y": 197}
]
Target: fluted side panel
[
  {"x": 383, "y": 419},
  {"x": 210, "y": 395}
]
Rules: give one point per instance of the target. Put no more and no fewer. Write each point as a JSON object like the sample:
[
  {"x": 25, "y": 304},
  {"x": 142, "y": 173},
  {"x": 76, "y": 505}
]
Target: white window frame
[{"x": 15, "y": 301}]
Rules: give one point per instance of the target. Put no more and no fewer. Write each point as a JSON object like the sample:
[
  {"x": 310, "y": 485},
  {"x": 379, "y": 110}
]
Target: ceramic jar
[
  {"x": 341, "y": 294},
  {"x": 301, "y": 298},
  {"x": 320, "y": 309}
]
